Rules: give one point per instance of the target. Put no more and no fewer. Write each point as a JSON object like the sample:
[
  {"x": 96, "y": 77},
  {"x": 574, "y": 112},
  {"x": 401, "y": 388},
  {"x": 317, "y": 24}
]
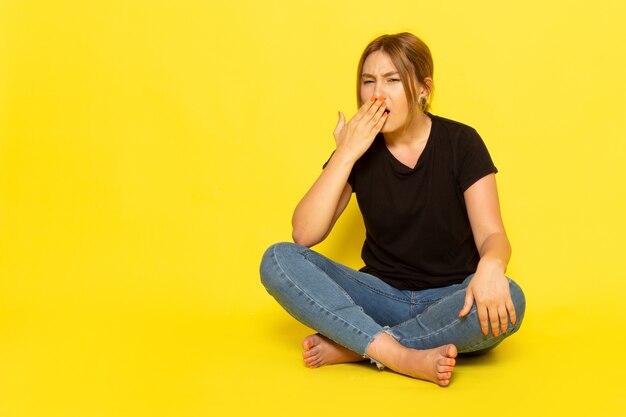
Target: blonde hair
[{"x": 413, "y": 60}]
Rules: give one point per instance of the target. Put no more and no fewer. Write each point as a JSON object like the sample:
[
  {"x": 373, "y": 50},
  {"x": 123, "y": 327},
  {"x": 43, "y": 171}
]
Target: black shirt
[{"x": 418, "y": 233}]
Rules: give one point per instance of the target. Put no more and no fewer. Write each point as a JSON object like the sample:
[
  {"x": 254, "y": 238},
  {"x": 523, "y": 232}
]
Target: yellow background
[{"x": 151, "y": 150}]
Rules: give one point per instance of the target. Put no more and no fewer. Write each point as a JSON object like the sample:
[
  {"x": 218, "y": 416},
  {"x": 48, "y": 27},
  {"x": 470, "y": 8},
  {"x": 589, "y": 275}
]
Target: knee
[
  {"x": 271, "y": 270},
  {"x": 519, "y": 301}
]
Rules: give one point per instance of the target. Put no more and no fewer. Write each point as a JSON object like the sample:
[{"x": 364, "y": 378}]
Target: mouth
[{"x": 386, "y": 112}]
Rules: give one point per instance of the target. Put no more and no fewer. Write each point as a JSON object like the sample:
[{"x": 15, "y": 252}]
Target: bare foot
[
  {"x": 435, "y": 365},
  {"x": 320, "y": 351}
]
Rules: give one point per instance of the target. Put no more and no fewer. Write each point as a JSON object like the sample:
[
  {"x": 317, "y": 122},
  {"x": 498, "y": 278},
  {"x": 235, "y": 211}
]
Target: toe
[
  {"x": 444, "y": 375},
  {"x": 311, "y": 352},
  {"x": 451, "y": 351},
  {"x": 310, "y": 341},
  {"x": 446, "y": 362},
  {"x": 316, "y": 363}
]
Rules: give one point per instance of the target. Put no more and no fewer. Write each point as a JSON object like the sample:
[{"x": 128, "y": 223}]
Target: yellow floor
[{"x": 156, "y": 358}]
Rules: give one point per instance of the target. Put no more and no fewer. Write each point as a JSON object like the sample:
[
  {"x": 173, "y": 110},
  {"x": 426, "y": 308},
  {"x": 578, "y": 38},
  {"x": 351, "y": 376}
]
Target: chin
[{"x": 388, "y": 128}]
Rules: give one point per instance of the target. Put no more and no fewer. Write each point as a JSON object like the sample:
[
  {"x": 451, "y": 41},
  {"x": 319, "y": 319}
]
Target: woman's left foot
[{"x": 320, "y": 351}]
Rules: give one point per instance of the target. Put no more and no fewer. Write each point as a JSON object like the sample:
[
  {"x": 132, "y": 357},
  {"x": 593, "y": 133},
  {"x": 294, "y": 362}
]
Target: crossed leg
[{"x": 343, "y": 303}]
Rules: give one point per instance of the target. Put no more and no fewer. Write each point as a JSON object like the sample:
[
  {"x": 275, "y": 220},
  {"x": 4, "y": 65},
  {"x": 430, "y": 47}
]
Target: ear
[{"x": 426, "y": 87}]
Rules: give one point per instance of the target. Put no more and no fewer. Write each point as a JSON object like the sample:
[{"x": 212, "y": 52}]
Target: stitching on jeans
[
  {"x": 499, "y": 338},
  {"x": 456, "y": 320},
  {"x": 282, "y": 271},
  {"x": 344, "y": 292},
  {"x": 472, "y": 313},
  {"x": 407, "y": 300},
  {"x": 488, "y": 342},
  {"x": 349, "y": 277},
  {"x": 433, "y": 333}
]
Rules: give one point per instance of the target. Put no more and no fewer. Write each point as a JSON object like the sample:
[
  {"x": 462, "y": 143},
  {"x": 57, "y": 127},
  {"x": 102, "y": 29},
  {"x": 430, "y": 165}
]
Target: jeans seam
[
  {"x": 282, "y": 271},
  {"x": 433, "y": 333},
  {"x": 514, "y": 329},
  {"x": 356, "y": 281},
  {"x": 489, "y": 341},
  {"x": 456, "y": 320}
]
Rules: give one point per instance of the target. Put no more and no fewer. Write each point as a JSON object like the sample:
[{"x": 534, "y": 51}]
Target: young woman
[{"x": 435, "y": 251}]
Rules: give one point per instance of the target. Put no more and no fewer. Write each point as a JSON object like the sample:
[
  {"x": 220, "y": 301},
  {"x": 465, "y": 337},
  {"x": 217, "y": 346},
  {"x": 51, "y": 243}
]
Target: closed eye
[{"x": 395, "y": 80}]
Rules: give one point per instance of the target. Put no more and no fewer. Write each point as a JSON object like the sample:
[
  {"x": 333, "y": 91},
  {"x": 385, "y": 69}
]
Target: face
[{"x": 381, "y": 78}]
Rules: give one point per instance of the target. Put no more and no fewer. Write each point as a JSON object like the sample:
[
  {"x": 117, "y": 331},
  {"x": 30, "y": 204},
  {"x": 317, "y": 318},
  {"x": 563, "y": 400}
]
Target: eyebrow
[{"x": 387, "y": 74}]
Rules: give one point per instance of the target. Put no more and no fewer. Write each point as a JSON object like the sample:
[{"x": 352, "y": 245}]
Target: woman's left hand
[{"x": 489, "y": 288}]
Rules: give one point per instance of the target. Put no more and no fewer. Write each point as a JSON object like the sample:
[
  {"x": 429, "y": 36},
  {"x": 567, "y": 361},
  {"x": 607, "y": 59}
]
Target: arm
[
  {"x": 322, "y": 205},
  {"x": 489, "y": 288}
]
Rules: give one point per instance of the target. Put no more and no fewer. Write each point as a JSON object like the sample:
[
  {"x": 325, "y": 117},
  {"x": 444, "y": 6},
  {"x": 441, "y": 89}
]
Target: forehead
[{"x": 378, "y": 62}]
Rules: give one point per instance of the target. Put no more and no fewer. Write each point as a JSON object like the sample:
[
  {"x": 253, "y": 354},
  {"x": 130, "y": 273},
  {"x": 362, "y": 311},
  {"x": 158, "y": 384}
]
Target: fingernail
[
  {"x": 372, "y": 99},
  {"x": 381, "y": 99}
]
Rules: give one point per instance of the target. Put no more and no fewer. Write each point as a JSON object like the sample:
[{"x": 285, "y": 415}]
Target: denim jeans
[{"x": 352, "y": 307}]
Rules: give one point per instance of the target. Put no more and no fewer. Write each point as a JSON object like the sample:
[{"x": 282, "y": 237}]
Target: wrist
[
  {"x": 344, "y": 157},
  {"x": 492, "y": 264}
]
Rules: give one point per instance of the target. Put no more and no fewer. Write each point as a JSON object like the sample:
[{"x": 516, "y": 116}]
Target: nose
[{"x": 379, "y": 91}]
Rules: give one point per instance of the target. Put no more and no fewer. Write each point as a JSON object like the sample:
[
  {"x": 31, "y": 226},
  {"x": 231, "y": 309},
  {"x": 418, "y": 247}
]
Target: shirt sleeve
[{"x": 473, "y": 160}]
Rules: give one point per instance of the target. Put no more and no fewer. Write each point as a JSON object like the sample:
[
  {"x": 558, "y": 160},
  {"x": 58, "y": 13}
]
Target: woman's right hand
[
  {"x": 356, "y": 136},
  {"x": 318, "y": 210}
]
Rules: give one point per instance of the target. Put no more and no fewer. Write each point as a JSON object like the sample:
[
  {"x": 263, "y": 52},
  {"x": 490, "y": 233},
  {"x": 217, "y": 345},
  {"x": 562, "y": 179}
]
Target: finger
[
  {"x": 379, "y": 124},
  {"x": 483, "y": 317},
  {"x": 364, "y": 108},
  {"x": 467, "y": 306},
  {"x": 381, "y": 109},
  {"x": 375, "y": 109},
  {"x": 379, "y": 117},
  {"x": 511, "y": 309},
  {"x": 494, "y": 320},
  {"x": 371, "y": 111},
  {"x": 504, "y": 318},
  {"x": 340, "y": 124}
]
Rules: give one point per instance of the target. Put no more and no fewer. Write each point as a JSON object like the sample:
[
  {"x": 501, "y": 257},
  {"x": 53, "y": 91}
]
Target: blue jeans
[{"x": 352, "y": 307}]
